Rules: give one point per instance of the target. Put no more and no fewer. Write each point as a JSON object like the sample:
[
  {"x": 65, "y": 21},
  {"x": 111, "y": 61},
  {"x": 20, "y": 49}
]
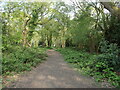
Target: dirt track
[{"x": 54, "y": 73}]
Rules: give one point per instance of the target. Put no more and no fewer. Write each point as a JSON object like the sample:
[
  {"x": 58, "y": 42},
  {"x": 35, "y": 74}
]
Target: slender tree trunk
[
  {"x": 49, "y": 40},
  {"x": 24, "y": 33},
  {"x": 63, "y": 43},
  {"x": 92, "y": 45}
]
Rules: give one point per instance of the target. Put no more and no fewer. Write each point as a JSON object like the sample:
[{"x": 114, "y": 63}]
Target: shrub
[{"x": 110, "y": 54}]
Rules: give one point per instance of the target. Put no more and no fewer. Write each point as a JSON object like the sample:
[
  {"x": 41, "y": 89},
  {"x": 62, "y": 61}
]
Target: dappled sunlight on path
[{"x": 54, "y": 73}]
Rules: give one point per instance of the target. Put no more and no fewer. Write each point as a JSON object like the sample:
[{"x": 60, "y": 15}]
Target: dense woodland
[{"x": 86, "y": 33}]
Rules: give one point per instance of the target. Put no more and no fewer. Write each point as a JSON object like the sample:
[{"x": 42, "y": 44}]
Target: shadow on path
[{"x": 54, "y": 73}]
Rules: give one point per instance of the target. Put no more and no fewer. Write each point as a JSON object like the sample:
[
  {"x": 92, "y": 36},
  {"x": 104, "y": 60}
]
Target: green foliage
[
  {"x": 58, "y": 24},
  {"x": 110, "y": 54},
  {"x": 22, "y": 59},
  {"x": 92, "y": 65},
  {"x": 82, "y": 28},
  {"x": 112, "y": 32}
]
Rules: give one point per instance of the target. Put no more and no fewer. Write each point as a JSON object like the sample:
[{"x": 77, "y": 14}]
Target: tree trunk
[
  {"x": 114, "y": 10},
  {"x": 49, "y": 40},
  {"x": 63, "y": 43},
  {"x": 24, "y": 33},
  {"x": 91, "y": 45},
  {"x": 24, "y": 37}
]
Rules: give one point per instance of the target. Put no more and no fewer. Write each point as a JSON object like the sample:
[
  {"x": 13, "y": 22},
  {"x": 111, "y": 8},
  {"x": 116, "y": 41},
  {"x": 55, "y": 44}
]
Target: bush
[{"x": 110, "y": 54}]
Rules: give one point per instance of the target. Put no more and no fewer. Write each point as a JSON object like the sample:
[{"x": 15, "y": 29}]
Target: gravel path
[{"x": 54, "y": 73}]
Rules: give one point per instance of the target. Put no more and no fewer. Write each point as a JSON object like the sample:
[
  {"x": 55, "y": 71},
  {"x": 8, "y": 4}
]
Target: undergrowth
[
  {"x": 93, "y": 65},
  {"x": 17, "y": 59}
]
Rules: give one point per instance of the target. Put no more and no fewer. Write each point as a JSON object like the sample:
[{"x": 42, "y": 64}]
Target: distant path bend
[{"x": 54, "y": 73}]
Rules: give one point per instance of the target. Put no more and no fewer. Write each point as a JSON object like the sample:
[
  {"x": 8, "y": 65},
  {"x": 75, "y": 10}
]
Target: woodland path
[{"x": 54, "y": 73}]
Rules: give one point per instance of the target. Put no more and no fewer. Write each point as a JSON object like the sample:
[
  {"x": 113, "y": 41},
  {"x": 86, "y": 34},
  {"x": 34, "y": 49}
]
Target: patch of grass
[{"x": 92, "y": 65}]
